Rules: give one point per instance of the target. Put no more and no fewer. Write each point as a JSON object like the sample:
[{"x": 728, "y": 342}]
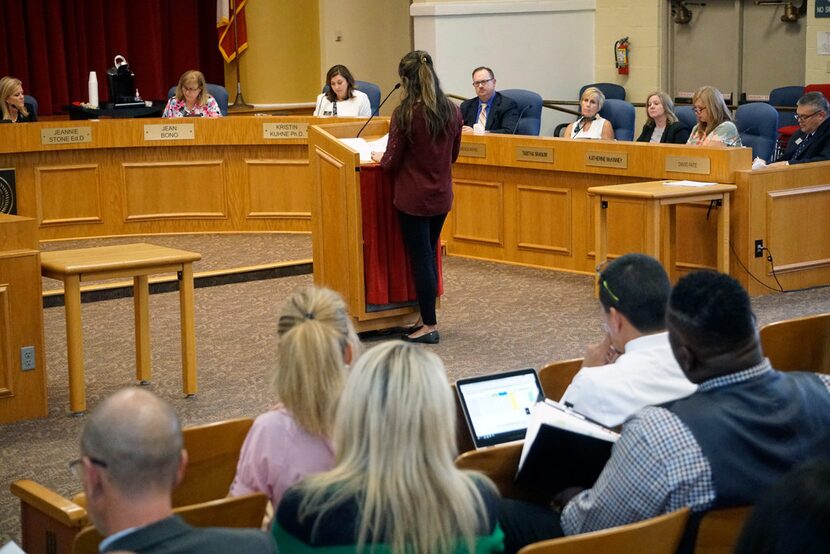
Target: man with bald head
[{"x": 131, "y": 459}]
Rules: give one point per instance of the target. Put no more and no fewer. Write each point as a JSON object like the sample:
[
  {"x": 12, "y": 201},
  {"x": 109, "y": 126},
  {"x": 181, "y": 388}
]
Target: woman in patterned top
[
  {"x": 714, "y": 122},
  {"x": 191, "y": 98}
]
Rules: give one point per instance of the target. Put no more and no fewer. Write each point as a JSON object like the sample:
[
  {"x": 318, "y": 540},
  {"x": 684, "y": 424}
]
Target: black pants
[
  {"x": 524, "y": 523},
  {"x": 421, "y": 235}
]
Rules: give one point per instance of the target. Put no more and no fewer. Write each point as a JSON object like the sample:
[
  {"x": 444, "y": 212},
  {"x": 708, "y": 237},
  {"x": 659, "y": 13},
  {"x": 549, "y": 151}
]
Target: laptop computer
[{"x": 497, "y": 406}]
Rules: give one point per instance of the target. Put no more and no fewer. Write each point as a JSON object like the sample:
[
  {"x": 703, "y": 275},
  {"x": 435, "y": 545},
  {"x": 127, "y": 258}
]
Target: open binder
[{"x": 562, "y": 449}]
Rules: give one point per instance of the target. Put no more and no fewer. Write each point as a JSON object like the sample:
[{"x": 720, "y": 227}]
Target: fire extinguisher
[{"x": 621, "y": 48}]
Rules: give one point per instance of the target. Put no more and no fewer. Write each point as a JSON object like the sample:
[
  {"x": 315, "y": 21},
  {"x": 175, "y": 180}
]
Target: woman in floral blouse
[
  {"x": 191, "y": 98},
  {"x": 714, "y": 122}
]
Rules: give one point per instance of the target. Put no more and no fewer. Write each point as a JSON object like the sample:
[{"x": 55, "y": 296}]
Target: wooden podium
[
  {"x": 338, "y": 227},
  {"x": 22, "y": 391}
]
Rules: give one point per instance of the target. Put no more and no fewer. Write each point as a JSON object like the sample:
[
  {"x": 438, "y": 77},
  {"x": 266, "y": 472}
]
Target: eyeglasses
[
  {"x": 799, "y": 117},
  {"x": 699, "y": 110},
  {"x": 481, "y": 83},
  {"x": 192, "y": 89},
  {"x": 75, "y": 465}
]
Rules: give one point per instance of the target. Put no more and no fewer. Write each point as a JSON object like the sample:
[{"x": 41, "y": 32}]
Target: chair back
[
  {"x": 557, "y": 376},
  {"x": 786, "y": 97},
  {"x": 31, "y": 101},
  {"x": 530, "y": 110},
  {"x": 369, "y": 89},
  {"x": 49, "y": 522},
  {"x": 823, "y": 88},
  {"x": 800, "y": 344},
  {"x": 372, "y": 91},
  {"x": 658, "y": 535},
  {"x": 241, "y": 512},
  {"x": 757, "y": 124},
  {"x": 219, "y": 93},
  {"x": 621, "y": 114},
  {"x": 612, "y": 91},
  {"x": 499, "y": 463},
  {"x": 213, "y": 452},
  {"x": 686, "y": 114},
  {"x": 719, "y": 530}
]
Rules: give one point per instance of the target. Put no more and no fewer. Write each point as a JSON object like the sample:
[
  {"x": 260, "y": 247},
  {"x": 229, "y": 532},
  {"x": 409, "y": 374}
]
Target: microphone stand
[
  {"x": 396, "y": 87},
  {"x": 516, "y": 127}
]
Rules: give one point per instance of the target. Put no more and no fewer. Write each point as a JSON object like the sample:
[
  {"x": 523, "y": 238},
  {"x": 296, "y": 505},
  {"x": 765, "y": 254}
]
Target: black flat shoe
[
  {"x": 430, "y": 338},
  {"x": 413, "y": 329}
]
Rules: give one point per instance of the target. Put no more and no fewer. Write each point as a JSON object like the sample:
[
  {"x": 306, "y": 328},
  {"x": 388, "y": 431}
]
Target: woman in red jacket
[{"x": 424, "y": 140}]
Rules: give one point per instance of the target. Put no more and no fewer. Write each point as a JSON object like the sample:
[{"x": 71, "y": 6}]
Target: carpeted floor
[{"x": 493, "y": 317}]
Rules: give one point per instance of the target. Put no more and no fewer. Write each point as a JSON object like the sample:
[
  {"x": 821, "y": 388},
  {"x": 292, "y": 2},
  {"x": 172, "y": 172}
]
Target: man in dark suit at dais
[{"x": 492, "y": 110}]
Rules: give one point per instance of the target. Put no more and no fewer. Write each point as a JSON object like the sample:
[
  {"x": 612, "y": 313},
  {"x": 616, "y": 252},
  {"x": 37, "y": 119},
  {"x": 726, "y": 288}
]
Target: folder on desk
[{"x": 562, "y": 449}]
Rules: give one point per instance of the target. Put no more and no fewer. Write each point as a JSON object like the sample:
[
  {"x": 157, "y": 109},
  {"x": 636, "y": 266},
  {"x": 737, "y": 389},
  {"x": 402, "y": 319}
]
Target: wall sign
[{"x": 822, "y": 8}]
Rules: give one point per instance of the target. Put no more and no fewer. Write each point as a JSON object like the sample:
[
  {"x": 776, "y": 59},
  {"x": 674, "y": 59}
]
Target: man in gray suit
[{"x": 131, "y": 459}]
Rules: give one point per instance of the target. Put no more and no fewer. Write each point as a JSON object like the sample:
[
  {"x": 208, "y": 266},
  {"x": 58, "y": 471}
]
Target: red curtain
[{"x": 52, "y": 45}]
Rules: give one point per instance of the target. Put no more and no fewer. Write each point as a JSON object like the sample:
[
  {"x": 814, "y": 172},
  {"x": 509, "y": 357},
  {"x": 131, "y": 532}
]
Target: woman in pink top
[{"x": 317, "y": 342}]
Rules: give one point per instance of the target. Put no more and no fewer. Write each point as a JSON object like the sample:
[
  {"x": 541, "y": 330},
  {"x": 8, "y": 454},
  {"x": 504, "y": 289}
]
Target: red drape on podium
[
  {"x": 386, "y": 264},
  {"x": 52, "y": 45}
]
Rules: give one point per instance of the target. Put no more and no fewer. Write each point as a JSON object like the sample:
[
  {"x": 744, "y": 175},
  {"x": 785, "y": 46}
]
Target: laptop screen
[{"x": 497, "y": 407}]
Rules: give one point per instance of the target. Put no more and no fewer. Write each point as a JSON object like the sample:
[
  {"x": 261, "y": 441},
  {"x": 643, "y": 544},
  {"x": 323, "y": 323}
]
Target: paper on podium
[{"x": 364, "y": 148}]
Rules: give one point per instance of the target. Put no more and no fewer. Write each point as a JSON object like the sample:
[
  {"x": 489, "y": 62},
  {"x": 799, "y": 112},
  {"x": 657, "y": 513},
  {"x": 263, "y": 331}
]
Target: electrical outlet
[
  {"x": 27, "y": 358},
  {"x": 759, "y": 248}
]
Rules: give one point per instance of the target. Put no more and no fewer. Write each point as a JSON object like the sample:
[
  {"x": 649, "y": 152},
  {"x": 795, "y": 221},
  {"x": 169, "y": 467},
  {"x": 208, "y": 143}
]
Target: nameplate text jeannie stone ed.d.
[{"x": 65, "y": 135}]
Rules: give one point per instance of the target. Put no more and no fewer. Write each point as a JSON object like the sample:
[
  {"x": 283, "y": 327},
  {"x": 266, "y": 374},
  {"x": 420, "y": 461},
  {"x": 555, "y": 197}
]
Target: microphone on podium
[{"x": 396, "y": 87}]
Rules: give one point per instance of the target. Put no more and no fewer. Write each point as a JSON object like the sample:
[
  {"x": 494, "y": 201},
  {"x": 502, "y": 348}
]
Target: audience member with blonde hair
[
  {"x": 590, "y": 125},
  {"x": 395, "y": 488},
  {"x": 714, "y": 122},
  {"x": 662, "y": 124},
  {"x": 191, "y": 98},
  {"x": 12, "y": 106},
  {"x": 316, "y": 343}
]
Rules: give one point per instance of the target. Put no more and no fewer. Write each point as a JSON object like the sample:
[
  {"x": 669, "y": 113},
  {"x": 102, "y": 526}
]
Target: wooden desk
[
  {"x": 654, "y": 195},
  {"x": 130, "y": 260}
]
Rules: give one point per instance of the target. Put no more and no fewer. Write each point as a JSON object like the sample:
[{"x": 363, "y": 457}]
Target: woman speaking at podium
[{"x": 424, "y": 141}]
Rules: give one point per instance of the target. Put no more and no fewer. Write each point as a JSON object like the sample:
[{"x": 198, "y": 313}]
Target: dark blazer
[
  {"x": 173, "y": 535},
  {"x": 503, "y": 116},
  {"x": 676, "y": 133},
  {"x": 818, "y": 150}
]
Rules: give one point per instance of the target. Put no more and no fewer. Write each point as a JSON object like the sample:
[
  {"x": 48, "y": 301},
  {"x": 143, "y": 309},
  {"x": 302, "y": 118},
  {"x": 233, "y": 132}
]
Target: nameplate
[
  {"x": 277, "y": 131},
  {"x": 532, "y": 154},
  {"x": 473, "y": 150},
  {"x": 171, "y": 131},
  {"x": 687, "y": 164},
  {"x": 65, "y": 135},
  {"x": 607, "y": 159}
]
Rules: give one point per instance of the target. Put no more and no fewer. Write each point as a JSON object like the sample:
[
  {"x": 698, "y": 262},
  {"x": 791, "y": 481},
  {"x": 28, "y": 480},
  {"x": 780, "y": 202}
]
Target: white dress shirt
[{"x": 645, "y": 375}]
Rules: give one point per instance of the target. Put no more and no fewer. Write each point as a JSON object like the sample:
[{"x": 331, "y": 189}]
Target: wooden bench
[{"x": 109, "y": 262}]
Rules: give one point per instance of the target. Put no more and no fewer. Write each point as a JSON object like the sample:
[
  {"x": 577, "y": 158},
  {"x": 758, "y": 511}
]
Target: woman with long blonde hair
[
  {"x": 714, "y": 122},
  {"x": 316, "y": 343},
  {"x": 395, "y": 488}
]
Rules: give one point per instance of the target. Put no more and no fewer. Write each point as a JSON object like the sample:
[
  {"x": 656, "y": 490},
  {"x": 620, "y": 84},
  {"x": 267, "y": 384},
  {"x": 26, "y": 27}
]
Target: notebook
[{"x": 497, "y": 406}]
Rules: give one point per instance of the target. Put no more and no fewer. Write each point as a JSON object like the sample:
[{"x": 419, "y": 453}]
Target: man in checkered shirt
[{"x": 724, "y": 445}]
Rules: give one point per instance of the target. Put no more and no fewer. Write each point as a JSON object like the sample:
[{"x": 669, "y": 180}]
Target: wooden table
[
  {"x": 655, "y": 195},
  {"x": 109, "y": 262}
]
